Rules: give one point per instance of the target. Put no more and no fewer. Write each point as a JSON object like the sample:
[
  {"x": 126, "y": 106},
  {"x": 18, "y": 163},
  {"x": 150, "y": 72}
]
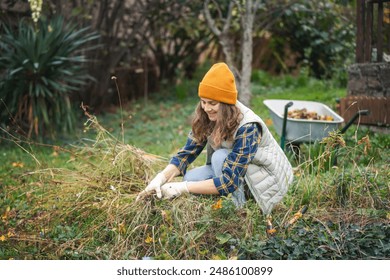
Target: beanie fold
[{"x": 217, "y": 94}]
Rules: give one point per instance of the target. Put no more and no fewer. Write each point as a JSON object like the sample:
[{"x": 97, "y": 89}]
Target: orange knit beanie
[{"x": 218, "y": 84}]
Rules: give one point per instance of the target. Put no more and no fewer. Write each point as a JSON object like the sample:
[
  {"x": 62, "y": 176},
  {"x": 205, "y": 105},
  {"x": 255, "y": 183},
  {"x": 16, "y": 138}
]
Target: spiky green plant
[{"x": 39, "y": 70}]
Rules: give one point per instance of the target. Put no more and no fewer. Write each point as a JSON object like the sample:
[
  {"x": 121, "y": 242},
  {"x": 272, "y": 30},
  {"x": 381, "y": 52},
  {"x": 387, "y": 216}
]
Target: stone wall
[
  {"x": 368, "y": 89},
  {"x": 370, "y": 79}
]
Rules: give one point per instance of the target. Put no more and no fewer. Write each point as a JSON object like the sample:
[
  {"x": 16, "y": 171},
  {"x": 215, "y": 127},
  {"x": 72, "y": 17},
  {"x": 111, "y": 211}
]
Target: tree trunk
[
  {"x": 222, "y": 34},
  {"x": 247, "y": 19},
  {"x": 243, "y": 77}
]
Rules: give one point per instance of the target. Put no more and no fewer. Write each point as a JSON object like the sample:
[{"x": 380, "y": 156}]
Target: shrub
[{"x": 39, "y": 69}]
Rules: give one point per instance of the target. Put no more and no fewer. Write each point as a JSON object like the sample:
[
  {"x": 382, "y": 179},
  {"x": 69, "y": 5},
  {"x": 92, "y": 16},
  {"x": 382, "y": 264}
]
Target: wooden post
[
  {"x": 387, "y": 21},
  {"x": 368, "y": 33},
  {"x": 360, "y": 18},
  {"x": 379, "y": 39}
]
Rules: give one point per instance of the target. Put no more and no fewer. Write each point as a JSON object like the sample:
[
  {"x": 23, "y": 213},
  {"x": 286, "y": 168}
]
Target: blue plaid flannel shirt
[{"x": 236, "y": 163}]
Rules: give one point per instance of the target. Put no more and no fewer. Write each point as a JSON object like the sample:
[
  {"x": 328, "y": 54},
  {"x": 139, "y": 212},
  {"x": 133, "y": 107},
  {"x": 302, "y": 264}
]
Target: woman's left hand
[{"x": 172, "y": 190}]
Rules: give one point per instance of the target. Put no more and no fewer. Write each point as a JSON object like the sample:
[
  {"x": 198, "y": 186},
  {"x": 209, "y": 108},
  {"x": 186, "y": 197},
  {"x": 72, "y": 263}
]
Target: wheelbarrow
[{"x": 297, "y": 131}]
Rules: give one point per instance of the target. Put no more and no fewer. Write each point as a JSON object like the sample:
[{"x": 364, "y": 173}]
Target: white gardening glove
[
  {"x": 172, "y": 190},
  {"x": 154, "y": 185}
]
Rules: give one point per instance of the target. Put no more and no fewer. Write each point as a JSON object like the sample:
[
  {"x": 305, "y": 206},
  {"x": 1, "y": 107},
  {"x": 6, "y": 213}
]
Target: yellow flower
[
  {"x": 217, "y": 205},
  {"x": 3, "y": 238},
  {"x": 271, "y": 231},
  {"x": 18, "y": 164},
  {"x": 149, "y": 239}
]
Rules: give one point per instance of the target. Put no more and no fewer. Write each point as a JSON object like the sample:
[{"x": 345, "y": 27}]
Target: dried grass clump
[
  {"x": 93, "y": 198},
  {"x": 88, "y": 210}
]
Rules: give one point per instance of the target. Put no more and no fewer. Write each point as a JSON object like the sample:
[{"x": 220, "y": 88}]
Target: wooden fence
[
  {"x": 373, "y": 27},
  {"x": 378, "y": 107}
]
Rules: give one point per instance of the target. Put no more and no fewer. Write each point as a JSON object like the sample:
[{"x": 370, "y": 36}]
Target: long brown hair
[{"x": 223, "y": 129}]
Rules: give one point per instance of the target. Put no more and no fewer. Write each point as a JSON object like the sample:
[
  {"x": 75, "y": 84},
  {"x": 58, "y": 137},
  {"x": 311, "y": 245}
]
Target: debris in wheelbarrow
[
  {"x": 305, "y": 114},
  {"x": 298, "y": 131},
  {"x": 302, "y": 130}
]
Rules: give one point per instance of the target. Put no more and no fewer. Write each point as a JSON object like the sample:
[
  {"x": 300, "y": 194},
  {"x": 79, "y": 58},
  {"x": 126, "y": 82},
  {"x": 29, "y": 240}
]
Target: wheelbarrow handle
[
  {"x": 350, "y": 122},
  {"x": 283, "y": 137}
]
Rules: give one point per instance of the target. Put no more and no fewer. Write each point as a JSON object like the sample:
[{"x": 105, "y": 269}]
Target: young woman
[{"x": 241, "y": 152}]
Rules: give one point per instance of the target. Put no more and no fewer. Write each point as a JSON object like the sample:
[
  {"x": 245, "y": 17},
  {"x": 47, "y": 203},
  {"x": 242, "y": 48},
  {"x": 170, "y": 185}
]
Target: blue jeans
[{"x": 215, "y": 170}]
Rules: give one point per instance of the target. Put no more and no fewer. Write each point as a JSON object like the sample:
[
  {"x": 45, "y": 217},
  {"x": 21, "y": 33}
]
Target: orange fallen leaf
[
  {"x": 18, "y": 164},
  {"x": 268, "y": 122}
]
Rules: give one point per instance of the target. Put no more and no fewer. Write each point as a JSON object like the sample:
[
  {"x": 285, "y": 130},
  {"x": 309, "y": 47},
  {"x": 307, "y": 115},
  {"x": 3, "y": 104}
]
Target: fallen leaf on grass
[
  {"x": 6, "y": 214},
  {"x": 18, "y": 164}
]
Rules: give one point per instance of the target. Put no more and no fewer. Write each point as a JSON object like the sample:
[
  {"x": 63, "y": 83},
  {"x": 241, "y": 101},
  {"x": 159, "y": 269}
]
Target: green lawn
[{"x": 75, "y": 199}]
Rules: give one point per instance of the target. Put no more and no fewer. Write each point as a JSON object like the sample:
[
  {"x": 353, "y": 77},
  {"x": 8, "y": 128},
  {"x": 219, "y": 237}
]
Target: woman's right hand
[{"x": 154, "y": 185}]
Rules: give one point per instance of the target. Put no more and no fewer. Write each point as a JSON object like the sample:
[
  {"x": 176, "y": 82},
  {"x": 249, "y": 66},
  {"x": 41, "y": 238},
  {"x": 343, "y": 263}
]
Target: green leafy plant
[
  {"x": 39, "y": 69},
  {"x": 320, "y": 241},
  {"x": 321, "y": 33}
]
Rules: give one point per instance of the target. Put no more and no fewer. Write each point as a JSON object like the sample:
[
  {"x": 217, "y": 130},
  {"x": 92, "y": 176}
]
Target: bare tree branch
[
  {"x": 228, "y": 21},
  {"x": 256, "y": 6},
  {"x": 210, "y": 20}
]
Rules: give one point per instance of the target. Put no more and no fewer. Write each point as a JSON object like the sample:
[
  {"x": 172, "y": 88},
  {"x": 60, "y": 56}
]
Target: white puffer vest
[{"x": 270, "y": 173}]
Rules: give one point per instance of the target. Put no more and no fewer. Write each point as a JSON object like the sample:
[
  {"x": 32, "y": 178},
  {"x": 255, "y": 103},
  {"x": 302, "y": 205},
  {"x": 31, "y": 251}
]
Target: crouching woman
[{"x": 242, "y": 154}]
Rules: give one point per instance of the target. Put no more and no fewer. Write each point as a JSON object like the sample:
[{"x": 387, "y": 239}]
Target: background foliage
[
  {"x": 322, "y": 34},
  {"x": 150, "y": 43},
  {"x": 39, "y": 69}
]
